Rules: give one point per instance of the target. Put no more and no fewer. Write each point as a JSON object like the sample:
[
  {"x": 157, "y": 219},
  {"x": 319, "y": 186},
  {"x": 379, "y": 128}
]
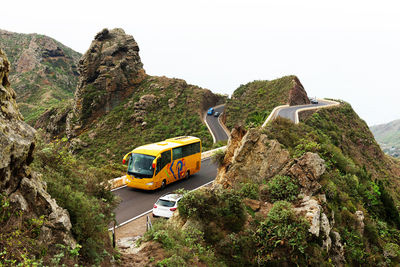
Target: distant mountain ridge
[
  {"x": 43, "y": 71},
  {"x": 388, "y": 136}
]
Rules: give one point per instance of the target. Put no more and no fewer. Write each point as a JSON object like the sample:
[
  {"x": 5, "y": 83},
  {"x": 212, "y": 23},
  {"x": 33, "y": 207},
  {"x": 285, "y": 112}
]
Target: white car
[{"x": 166, "y": 205}]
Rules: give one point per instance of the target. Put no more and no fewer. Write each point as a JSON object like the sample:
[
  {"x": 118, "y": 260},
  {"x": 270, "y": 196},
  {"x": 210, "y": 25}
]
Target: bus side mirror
[
  {"x": 125, "y": 157},
  {"x": 155, "y": 161}
]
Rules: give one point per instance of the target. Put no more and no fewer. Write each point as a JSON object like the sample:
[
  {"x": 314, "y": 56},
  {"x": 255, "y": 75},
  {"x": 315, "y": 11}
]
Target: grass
[
  {"x": 116, "y": 133},
  {"x": 252, "y": 103}
]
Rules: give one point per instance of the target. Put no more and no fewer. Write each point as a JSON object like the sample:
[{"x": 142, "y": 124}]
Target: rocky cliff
[
  {"x": 253, "y": 102},
  {"x": 315, "y": 193},
  {"x": 117, "y": 106},
  {"x": 21, "y": 187},
  {"x": 110, "y": 71},
  {"x": 44, "y": 71},
  {"x": 297, "y": 94}
]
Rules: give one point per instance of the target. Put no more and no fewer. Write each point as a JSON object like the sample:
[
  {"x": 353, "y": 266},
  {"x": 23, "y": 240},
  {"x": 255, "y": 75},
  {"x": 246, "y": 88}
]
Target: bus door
[{"x": 162, "y": 171}]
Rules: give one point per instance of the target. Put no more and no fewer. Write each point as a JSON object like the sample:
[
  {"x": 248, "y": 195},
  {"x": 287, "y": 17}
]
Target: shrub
[
  {"x": 282, "y": 236},
  {"x": 186, "y": 247},
  {"x": 306, "y": 146},
  {"x": 77, "y": 187},
  {"x": 237, "y": 249},
  {"x": 249, "y": 190},
  {"x": 330, "y": 190},
  {"x": 282, "y": 188},
  {"x": 218, "y": 157},
  {"x": 172, "y": 261},
  {"x": 222, "y": 207}
]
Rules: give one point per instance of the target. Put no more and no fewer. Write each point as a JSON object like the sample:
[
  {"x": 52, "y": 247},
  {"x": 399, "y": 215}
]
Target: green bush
[
  {"x": 283, "y": 236},
  {"x": 81, "y": 190},
  {"x": 222, "y": 207},
  {"x": 282, "y": 188},
  {"x": 184, "y": 248},
  {"x": 237, "y": 249},
  {"x": 218, "y": 157},
  {"x": 172, "y": 261},
  {"x": 248, "y": 190}
]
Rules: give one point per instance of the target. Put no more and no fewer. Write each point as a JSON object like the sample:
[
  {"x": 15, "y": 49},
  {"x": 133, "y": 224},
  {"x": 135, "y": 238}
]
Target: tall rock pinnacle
[{"x": 109, "y": 72}]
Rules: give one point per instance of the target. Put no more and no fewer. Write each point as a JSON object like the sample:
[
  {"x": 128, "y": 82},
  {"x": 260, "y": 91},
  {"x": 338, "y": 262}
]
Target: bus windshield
[{"x": 140, "y": 165}]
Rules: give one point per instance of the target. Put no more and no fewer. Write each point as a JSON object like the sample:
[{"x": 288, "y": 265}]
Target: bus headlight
[{"x": 150, "y": 183}]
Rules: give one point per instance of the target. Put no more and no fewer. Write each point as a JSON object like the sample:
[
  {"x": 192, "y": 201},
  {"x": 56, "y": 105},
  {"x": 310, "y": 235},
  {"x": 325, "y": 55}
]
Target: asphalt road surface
[
  {"x": 290, "y": 112},
  {"x": 135, "y": 202},
  {"x": 216, "y": 128}
]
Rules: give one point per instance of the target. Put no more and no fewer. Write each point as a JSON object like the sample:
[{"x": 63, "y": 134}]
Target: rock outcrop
[
  {"x": 109, "y": 72},
  {"x": 297, "y": 95},
  {"x": 27, "y": 193},
  {"x": 251, "y": 156}
]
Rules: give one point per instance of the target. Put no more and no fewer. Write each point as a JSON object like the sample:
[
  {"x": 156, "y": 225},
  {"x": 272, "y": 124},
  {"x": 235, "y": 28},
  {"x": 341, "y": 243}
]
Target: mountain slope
[
  {"x": 117, "y": 106},
  {"x": 44, "y": 71},
  {"x": 33, "y": 228},
  {"x": 388, "y": 136},
  {"x": 251, "y": 103},
  {"x": 320, "y": 192}
]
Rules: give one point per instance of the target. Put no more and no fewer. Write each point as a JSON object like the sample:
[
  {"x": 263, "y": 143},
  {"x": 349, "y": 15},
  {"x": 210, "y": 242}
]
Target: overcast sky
[{"x": 339, "y": 49}]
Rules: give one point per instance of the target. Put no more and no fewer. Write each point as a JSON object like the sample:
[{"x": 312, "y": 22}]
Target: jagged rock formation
[
  {"x": 110, "y": 71},
  {"x": 44, "y": 71},
  {"x": 297, "y": 95},
  {"x": 24, "y": 188},
  {"x": 252, "y": 156}
]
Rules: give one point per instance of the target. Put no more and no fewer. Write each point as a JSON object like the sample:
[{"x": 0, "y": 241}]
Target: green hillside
[
  {"x": 253, "y": 221},
  {"x": 251, "y": 103},
  {"x": 44, "y": 71},
  {"x": 388, "y": 136},
  {"x": 131, "y": 124}
]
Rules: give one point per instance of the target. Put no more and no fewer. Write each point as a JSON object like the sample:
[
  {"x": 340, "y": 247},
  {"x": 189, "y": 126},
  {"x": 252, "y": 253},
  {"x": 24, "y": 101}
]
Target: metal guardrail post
[{"x": 149, "y": 226}]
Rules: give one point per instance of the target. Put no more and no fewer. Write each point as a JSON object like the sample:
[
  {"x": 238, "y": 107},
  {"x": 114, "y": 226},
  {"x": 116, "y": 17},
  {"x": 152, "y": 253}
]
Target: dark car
[
  {"x": 216, "y": 114},
  {"x": 313, "y": 101}
]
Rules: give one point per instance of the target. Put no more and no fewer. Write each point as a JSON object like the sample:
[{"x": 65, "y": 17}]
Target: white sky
[{"x": 340, "y": 49}]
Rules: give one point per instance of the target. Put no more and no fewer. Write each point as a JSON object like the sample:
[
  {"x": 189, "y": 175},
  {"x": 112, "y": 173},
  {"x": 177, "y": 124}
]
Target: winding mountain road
[
  {"x": 290, "y": 112},
  {"x": 215, "y": 127},
  {"x": 137, "y": 202}
]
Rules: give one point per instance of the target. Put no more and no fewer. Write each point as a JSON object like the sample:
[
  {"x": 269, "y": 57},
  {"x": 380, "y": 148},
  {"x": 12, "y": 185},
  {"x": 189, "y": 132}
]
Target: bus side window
[
  {"x": 177, "y": 153},
  {"x": 163, "y": 160}
]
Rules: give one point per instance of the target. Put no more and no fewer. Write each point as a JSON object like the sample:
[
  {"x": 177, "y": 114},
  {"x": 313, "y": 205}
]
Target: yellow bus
[{"x": 155, "y": 165}]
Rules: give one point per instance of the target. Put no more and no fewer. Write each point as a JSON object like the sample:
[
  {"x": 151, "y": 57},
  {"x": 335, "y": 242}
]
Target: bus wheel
[
  {"x": 187, "y": 174},
  {"x": 163, "y": 184}
]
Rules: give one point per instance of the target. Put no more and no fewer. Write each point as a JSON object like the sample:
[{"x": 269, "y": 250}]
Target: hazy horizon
[{"x": 342, "y": 50}]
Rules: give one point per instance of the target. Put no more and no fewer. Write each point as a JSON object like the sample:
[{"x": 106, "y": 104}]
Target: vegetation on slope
[
  {"x": 44, "y": 71},
  {"x": 81, "y": 190},
  {"x": 359, "y": 177},
  {"x": 388, "y": 136},
  {"x": 133, "y": 123},
  {"x": 251, "y": 103},
  {"x": 78, "y": 188}
]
